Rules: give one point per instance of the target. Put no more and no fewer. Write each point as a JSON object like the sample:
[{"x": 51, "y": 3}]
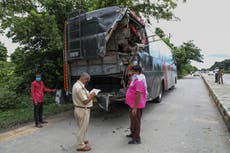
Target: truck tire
[{"x": 159, "y": 98}]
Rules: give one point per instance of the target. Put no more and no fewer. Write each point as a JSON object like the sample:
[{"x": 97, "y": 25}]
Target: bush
[
  {"x": 10, "y": 118},
  {"x": 7, "y": 99},
  {"x": 24, "y": 101},
  {"x": 227, "y": 71},
  {"x": 49, "y": 98},
  {"x": 11, "y": 100}
]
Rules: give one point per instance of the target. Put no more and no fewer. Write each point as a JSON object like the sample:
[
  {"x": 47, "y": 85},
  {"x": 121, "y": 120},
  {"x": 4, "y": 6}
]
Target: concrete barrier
[{"x": 221, "y": 96}]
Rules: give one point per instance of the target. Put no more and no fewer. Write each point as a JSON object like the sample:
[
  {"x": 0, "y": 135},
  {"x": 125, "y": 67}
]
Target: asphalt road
[
  {"x": 186, "y": 121},
  {"x": 226, "y": 78}
]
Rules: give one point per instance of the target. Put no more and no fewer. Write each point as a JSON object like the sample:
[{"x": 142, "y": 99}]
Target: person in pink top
[
  {"x": 37, "y": 94},
  {"x": 136, "y": 99}
]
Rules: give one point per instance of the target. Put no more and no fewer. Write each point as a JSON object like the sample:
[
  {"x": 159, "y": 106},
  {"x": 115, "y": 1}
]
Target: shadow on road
[{"x": 117, "y": 110}]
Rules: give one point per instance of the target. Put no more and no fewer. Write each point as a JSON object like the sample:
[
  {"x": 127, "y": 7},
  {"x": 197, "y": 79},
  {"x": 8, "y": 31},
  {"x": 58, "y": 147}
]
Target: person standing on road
[
  {"x": 220, "y": 76},
  {"x": 37, "y": 94},
  {"x": 82, "y": 101},
  {"x": 216, "y": 75},
  {"x": 136, "y": 99}
]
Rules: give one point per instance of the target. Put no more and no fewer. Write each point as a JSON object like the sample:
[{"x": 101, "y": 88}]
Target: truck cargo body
[{"x": 104, "y": 43}]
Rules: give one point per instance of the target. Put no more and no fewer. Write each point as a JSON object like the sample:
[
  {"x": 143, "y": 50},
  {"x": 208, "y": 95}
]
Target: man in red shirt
[{"x": 37, "y": 93}]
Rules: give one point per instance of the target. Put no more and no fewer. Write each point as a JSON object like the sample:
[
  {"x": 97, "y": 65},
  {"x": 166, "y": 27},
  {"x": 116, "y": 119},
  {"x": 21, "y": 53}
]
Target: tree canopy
[
  {"x": 225, "y": 64},
  {"x": 3, "y": 52},
  {"x": 183, "y": 54}
]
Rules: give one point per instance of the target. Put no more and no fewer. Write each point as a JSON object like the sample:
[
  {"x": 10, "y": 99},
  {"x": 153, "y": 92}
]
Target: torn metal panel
[{"x": 89, "y": 32}]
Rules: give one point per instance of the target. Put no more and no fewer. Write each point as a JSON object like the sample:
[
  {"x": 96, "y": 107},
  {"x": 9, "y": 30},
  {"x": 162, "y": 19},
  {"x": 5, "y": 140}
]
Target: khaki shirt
[
  {"x": 80, "y": 94},
  {"x": 220, "y": 73}
]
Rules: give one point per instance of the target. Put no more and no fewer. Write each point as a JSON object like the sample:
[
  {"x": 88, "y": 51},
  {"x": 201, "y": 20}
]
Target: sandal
[{"x": 86, "y": 148}]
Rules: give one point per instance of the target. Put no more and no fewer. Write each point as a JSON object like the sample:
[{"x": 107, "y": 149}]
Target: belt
[{"x": 83, "y": 107}]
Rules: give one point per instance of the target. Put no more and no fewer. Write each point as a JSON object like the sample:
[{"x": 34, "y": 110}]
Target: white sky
[
  {"x": 8, "y": 44},
  {"x": 204, "y": 21},
  {"x": 207, "y": 23}
]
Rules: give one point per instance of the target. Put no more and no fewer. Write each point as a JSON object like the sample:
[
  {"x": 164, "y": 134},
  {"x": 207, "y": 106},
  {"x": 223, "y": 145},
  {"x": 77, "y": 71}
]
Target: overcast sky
[
  {"x": 204, "y": 21},
  {"x": 207, "y": 23}
]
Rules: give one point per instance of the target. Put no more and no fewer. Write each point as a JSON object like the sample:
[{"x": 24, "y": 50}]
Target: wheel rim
[{"x": 160, "y": 95}]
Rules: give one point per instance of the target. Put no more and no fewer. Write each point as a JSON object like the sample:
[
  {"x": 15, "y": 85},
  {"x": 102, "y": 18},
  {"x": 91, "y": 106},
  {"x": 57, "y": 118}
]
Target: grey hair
[{"x": 84, "y": 75}]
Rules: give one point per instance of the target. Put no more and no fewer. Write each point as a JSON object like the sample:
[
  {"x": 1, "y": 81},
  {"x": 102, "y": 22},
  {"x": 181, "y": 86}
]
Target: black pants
[
  {"x": 38, "y": 111},
  {"x": 135, "y": 124},
  {"x": 216, "y": 77}
]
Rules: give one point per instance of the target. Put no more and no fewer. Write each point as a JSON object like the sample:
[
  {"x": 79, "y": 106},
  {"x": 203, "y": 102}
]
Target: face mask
[
  {"x": 38, "y": 79},
  {"x": 134, "y": 77}
]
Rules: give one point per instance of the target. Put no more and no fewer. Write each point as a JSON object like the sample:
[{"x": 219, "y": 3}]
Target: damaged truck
[{"x": 105, "y": 43}]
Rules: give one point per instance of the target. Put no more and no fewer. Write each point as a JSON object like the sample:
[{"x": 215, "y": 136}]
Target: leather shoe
[
  {"x": 38, "y": 126},
  {"x": 129, "y": 136},
  {"x": 43, "y": 122},
  {"x": 86, "y": 148},
  {"x": 134, "y": 142}
]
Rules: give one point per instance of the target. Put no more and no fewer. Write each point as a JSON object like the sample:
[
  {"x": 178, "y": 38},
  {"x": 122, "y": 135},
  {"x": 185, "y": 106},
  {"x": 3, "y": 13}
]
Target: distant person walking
[
  {"x": 82, "y": 101},
  {"x": 216, "y": 75},
  {"x": 220, "y": 76},
  {"x": 136, "y": 99},
  {"x": 37, "y": 93}
]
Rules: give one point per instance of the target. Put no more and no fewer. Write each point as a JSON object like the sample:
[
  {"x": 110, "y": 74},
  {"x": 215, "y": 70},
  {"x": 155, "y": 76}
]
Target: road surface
[
  {"x": 226, "y": 78},
  {"x": 186, "y": 121}
]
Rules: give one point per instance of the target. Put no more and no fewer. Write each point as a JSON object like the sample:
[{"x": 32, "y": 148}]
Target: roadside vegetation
[
  {"x": 227, "y": 71},
  {"x": 225, "y": 65},
  {"x": 183, "y": 54},
  {"x": 38, "y": 26},
  {"x": 14, "y": 117},
  {"x": 16, "y": 106}
]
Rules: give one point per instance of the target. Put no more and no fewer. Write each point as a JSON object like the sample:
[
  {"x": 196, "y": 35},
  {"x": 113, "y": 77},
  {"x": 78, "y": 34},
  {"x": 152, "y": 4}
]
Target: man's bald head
[{"x": 84, "y": 78}]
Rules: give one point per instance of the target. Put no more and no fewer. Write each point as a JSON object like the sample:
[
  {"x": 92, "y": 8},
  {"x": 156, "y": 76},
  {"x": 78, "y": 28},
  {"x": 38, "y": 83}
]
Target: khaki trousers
[{"x": 82, "y": 119}]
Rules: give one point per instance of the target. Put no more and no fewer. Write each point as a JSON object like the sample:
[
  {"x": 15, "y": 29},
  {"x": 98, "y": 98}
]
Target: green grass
[
  {"x": 227, "y": 71},
  {"x": 16, "y": 117}
]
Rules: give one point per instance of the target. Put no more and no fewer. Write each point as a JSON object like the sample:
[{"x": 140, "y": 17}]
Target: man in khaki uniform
[{"x": 82, "y": 101}]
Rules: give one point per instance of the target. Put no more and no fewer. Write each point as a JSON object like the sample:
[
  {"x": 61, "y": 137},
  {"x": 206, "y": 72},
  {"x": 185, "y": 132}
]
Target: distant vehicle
[
  {"x": 105, "y": 43},
  {"x": 196, "y": 74},
  {"x": 211, "y": 73}
]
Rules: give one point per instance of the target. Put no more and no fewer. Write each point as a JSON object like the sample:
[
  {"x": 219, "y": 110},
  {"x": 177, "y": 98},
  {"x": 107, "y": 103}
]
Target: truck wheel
[{"x": 159, "y": 98}]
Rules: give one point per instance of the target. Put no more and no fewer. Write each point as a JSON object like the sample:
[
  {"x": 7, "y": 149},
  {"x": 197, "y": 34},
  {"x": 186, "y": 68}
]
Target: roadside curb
[{"x": 224, "y": 111}]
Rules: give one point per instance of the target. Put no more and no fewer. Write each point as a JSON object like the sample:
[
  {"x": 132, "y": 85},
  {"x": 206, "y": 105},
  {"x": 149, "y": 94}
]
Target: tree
[
  {"x": 18, "y": 56},
  {"x": 160, "y": 10},
  {"x": 184, "y": 54},
  {"x": 38, "y": 27},
  {"x": 3, "y": 52},
  {"x": 192, "y": 52},
  {"x": 225, "y": 64}
]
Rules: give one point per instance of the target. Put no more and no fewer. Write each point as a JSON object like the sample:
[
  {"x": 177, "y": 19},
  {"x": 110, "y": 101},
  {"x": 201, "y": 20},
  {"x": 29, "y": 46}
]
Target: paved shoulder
[{"x": 221, "y": 96}]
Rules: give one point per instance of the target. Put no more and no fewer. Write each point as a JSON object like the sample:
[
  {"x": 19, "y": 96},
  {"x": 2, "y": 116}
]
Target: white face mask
[{"x": 134, "y": 77}]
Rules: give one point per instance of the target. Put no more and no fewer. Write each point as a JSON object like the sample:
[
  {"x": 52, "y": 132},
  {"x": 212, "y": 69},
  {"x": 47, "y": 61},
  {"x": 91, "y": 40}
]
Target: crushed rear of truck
[{"x": 103, "y": 43}]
